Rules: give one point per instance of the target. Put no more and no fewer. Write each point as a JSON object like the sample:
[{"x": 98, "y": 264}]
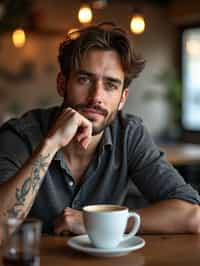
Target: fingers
[
  {"x": 84, "y": 136},
  {"x": 70, "y": 124},
  {"x": 84, "y": 128},
  {"x": 70, "y": 221},
  {"x": 62, "y": 225}
]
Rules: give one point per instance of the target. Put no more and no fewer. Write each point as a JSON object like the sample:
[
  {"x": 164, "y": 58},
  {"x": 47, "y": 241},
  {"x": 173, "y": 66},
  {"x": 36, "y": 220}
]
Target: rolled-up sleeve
[
  {"x": 13, "y": 153},
  {"x": 156, "y": 178}
]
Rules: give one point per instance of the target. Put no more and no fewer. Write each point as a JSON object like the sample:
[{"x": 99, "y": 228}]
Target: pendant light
[{"x": 137, "y": 23}]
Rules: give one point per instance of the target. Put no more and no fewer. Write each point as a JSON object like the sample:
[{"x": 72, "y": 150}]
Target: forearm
[
  {"x": 17, "y": 195},
  {"x": 170, "y": 216}
]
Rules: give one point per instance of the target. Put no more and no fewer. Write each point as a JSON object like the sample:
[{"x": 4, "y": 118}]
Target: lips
[
  {"x": 92, "y": 109},
  {"x": 92, "y": 114}
]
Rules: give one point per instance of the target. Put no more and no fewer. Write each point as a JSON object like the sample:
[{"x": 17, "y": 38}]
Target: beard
[
  {"x": 108, "y": 118},
  {"x": 107, "y": 121}
]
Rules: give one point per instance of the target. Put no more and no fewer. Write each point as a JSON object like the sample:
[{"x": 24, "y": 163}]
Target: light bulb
[
  {"x": 137, "y": 24},
  {"x": 19, "y": 38},
  {"x": 85, "y": 14}
]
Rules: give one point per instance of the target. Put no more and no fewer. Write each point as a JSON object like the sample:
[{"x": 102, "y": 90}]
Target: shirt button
[{"x": 71, "y": 183}]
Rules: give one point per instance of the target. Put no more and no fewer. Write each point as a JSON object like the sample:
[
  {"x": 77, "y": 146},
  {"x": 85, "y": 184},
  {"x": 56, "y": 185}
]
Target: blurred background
[{"x": 28, "y": 69}]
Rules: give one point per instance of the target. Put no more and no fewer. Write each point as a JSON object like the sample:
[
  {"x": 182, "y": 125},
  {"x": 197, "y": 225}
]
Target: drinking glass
[{"x": 21, "y": 242}]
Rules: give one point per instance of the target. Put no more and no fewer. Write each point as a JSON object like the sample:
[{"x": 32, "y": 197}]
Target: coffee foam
[{"x": 104, "y": 208}]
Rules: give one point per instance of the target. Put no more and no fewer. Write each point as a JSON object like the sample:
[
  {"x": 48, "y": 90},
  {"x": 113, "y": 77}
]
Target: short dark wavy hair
[{"x": 105, "y": 36}]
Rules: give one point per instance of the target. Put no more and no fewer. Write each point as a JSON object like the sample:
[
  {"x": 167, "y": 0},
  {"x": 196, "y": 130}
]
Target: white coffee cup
[{"x": 106, "y": 224}]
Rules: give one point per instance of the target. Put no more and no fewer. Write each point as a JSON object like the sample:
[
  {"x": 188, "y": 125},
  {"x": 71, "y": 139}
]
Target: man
[{"x": 53, "y": 162}]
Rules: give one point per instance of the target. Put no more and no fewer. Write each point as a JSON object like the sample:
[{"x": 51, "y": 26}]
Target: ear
[
  {"x": 123, "y": 99},
  {"x": 60, "y": 84}
]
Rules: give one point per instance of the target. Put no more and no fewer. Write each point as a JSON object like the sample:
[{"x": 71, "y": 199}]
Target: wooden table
[
  {"x": 182, "y": 153},
  {"x": 160, "y": 250}
]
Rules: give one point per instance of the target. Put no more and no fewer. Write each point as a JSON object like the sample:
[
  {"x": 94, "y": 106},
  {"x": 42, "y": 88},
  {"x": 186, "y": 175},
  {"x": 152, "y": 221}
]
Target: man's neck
[{"x": 78, "y": 159}]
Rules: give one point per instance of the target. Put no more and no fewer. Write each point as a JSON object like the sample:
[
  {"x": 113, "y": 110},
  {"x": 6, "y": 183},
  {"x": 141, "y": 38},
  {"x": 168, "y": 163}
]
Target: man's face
[{"x": 95, "y": 90}]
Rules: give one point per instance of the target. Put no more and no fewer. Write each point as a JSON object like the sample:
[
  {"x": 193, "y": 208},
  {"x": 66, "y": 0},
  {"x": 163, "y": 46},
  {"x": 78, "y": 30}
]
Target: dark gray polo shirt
[{"x": 125, "y": 153}]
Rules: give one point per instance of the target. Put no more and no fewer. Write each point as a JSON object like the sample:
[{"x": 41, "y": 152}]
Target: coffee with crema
[{"x": 103, "y": 208}]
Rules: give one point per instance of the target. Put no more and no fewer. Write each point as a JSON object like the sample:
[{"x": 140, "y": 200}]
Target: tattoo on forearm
[
  {"x": 32, "y": 182},
  {"x": 21, "y": 193},
  {"x": 39, "y": 165},
  {"x": 13, "y": 212}
]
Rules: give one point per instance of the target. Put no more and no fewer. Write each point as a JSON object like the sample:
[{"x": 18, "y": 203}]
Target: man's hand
[
  {"x": 71, "y": 221},
  {"x": 70, "y": 124}
]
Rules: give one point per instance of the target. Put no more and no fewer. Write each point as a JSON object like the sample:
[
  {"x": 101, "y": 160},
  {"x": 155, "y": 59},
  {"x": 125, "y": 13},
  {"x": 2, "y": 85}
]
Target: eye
[
  {"x": 111, "y": 85},
  {"x": 84, "y": 80}
]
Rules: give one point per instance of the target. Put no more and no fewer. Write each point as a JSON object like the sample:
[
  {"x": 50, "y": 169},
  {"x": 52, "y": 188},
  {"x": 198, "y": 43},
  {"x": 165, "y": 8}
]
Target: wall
[
  {"x": 184, "y": 11},
  {"x": 28, "y": 75},
  {"x": 156, "y": 44}
]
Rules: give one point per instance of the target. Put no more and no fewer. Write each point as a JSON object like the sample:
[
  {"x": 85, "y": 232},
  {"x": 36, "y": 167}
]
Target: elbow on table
[{"x": 194, "y": 220}]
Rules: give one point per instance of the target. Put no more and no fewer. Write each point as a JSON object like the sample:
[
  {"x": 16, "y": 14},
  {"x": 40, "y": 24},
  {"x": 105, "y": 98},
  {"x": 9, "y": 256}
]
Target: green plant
[{"x": 172, "y": 94}]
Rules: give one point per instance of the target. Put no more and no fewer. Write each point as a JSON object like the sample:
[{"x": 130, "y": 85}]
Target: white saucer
[{"x": 82, "y": 243}]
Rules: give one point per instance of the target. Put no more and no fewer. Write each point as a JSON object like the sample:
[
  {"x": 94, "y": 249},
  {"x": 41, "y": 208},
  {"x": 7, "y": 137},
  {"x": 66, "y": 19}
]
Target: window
[{"x": 191, "y": 78}]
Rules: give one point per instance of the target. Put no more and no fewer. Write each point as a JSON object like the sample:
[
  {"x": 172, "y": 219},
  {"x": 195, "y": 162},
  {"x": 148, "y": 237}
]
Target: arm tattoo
[
  {"x": 21, "y": 193},
  {"x": 32, "y": 182},
  {"x": 39, "y": 165}
]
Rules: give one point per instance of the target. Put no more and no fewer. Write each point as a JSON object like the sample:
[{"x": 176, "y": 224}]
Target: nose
[{"x": 96, "y": 92}]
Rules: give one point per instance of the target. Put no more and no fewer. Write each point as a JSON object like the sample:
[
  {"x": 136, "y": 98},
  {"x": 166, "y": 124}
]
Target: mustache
[{"x": 96, "y": 107}]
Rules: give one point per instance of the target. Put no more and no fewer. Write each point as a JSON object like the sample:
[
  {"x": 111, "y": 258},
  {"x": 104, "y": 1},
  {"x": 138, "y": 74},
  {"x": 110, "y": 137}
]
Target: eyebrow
[{"x": 111, "y": 79}]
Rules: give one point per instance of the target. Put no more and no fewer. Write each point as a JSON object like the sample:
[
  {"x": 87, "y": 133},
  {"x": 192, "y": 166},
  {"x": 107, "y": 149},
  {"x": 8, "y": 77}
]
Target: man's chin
[
  {"x": 97, "y": 130},
  {"x": 97, "y": 127}
]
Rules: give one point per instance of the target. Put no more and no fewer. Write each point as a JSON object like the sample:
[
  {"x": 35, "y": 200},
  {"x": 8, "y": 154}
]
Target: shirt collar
[
  {"x": 107, "y": 139},
  {"x": 59, "y": 155}
]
